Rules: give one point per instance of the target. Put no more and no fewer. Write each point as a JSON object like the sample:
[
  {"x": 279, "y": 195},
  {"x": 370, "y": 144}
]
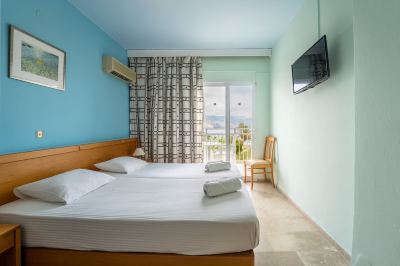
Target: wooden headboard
[{"x": 20, "y": 168}]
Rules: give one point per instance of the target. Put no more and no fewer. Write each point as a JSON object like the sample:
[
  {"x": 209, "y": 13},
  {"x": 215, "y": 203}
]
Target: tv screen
[{"x": 311, "y": 68}]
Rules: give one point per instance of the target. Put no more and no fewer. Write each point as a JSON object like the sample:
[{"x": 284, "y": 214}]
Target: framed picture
[{"x": 35, "y": 61}]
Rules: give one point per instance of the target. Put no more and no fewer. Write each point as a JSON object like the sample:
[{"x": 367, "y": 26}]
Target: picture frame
[{"x": 36, "y": 61}]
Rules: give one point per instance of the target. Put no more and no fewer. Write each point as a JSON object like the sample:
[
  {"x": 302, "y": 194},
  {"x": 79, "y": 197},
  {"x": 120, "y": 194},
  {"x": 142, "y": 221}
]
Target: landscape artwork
[
  {"x": 39, "y": 62},
  {"x": 35, "y": 61}
]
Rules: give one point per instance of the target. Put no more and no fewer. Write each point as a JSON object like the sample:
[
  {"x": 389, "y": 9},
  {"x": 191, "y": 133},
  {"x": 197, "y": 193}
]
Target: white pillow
[
  {"x": 65, "y": 187},
  {"x": 123, "y": 165}
]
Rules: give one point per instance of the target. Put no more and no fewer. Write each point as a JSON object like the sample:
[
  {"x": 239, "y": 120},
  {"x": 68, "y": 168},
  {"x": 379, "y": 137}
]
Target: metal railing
[{"x": 214, "y": 145}]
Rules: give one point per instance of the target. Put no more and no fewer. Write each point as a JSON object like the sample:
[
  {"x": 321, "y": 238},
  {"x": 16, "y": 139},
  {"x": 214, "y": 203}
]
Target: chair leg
[
  {"x": 272, "y": 176},
  {"x": 245, "y": 172},
  {"x": 252, "y": 178}
]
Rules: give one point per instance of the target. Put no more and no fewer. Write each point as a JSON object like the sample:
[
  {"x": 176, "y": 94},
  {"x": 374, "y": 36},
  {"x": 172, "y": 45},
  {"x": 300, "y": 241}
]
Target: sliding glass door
[
  {"x": 215, "y": 134},
  {"x": 228, "y": 121}
]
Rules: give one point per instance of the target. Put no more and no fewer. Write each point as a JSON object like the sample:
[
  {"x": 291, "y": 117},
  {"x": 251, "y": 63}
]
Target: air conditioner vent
[
  {"x": 114, "y": 67},
  {"x": 119, "y": 76}
]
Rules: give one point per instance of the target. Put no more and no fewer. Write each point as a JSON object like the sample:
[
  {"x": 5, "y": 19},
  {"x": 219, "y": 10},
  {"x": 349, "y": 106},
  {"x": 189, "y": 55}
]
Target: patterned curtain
[{"x": 166, "y": 108}]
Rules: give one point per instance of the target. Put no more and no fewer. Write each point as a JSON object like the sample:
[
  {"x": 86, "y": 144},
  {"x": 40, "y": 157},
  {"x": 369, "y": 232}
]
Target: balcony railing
[{"x": 214, "y": 144}]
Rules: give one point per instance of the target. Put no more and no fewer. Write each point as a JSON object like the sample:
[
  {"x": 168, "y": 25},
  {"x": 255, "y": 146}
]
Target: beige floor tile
[
  {"x": 325, "y": 258},
  {"x": 264, "y": 245},
  {"x": 288, "y": 225},
  {"x": 278, "y": 259},
  {"x": 299, "y": 241},
  {"x": 277, "y": 208}
]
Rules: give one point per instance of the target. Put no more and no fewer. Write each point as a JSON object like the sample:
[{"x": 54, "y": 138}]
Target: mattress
[
  {"x": 179, "y": 171},
  {"x": 141, "y": 215}
]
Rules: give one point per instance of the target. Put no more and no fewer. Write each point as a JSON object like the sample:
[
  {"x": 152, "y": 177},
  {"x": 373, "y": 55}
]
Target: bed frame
[{"x": 21, "y": 168}]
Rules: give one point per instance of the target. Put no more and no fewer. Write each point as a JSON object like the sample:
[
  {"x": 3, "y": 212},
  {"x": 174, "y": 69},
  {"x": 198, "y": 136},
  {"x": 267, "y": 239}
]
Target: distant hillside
[{"x": 216, "y": 121}]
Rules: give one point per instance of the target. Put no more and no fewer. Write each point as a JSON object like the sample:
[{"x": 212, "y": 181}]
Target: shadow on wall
[{"x": 276, "y": 163}]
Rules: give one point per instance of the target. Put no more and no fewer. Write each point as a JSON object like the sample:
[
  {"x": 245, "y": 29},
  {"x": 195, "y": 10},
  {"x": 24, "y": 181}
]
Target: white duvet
[{"x": 141, "y": 215}]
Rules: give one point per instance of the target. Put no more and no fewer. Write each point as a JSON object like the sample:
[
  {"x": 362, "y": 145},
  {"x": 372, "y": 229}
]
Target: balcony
[{"x": 215, "y": 146}]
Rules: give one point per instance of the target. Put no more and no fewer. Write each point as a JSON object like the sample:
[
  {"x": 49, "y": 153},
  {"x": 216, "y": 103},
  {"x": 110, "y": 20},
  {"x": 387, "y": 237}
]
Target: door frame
[{"x": 227, "y": 85}]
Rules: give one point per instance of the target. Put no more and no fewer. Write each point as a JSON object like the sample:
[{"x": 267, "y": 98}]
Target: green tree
[{"x": 243, "y": 136}]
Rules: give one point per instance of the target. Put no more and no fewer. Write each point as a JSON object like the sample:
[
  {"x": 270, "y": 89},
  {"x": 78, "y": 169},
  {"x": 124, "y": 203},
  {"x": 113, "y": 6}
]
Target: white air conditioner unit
[{"x": 113, "y": 67}]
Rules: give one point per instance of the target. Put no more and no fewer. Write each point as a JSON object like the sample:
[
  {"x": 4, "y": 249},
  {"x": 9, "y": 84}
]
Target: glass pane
[
  {"x": 241, "y": 111},
  {"x": 214, "y": 123}
]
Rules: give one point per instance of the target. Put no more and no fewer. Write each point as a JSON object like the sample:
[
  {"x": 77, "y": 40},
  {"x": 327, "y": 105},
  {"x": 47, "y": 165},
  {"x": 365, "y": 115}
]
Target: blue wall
[{"x": 94, "y": 105}]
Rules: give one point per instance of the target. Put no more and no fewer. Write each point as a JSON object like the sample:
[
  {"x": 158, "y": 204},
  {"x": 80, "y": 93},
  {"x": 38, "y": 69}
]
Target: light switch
[{"x": 39, "y": 134}]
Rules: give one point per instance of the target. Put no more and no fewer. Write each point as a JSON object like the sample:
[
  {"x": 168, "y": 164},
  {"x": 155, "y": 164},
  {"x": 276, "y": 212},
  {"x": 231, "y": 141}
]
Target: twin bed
[{"x": 157, "y": 215}]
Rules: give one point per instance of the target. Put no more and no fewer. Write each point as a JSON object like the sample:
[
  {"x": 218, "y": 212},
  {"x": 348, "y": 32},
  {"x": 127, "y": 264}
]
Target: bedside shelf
[{"x": 10, "y": 245}]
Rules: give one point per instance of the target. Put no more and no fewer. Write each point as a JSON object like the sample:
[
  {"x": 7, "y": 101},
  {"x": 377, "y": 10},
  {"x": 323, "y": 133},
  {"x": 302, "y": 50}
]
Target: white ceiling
[{"x": 190, "y": 24}]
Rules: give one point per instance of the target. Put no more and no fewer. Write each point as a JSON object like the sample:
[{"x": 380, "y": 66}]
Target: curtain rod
[{"x": 200, "y": 53}]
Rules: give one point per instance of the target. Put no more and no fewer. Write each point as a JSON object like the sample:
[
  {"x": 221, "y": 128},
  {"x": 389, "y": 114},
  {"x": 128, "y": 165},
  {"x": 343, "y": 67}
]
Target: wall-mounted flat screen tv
[{"x": 311, "y": 68}]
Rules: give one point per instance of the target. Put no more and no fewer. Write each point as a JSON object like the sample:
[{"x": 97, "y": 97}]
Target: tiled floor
[{"x": 287, "y": 237}]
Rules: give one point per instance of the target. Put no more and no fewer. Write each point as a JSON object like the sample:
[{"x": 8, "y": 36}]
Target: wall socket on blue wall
[{"x": 39, "y": 134}]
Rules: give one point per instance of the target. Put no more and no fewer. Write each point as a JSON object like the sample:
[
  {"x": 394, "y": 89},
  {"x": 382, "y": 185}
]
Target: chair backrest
[{"x": 269, "y": 149}]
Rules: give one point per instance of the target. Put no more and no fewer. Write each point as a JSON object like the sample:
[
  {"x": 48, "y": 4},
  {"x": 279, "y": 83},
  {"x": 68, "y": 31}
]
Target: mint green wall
[
  {"x": 315, "y": 129},
  {"x": 377, "y": 212},
  {"x": 245, "y": 69}
]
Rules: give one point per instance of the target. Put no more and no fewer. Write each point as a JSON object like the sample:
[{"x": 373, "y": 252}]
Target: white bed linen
[
  {"x": 179, "y": 171},
  {"x": 141, "y": 215}
]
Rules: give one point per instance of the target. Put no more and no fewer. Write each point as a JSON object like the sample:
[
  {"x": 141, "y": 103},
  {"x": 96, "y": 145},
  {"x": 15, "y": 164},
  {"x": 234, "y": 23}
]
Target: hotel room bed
[{"x": 141, "y": 215}]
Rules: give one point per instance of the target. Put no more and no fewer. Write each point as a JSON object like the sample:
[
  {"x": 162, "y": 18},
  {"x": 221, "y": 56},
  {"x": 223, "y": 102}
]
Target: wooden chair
[{"x": 267, "y": 163}]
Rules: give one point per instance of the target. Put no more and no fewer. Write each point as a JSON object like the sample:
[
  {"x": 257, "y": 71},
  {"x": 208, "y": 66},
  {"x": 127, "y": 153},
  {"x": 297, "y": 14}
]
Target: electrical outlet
[{"x": 39, "y": 134}]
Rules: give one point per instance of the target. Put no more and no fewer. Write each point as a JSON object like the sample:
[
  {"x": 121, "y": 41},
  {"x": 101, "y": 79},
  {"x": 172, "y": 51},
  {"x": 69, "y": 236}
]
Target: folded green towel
[
  {"x": 222, "y": 186},
  {"x": 218, "y": 166}
]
